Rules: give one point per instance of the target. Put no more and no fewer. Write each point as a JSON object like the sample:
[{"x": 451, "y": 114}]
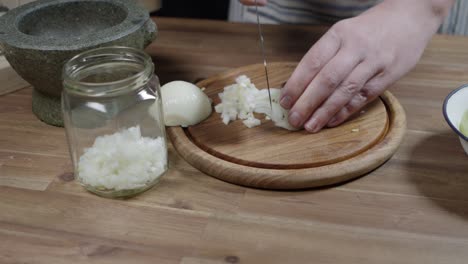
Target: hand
[
  {"x": 357, "y": 59},
  {"x": 252, "y": 2}
]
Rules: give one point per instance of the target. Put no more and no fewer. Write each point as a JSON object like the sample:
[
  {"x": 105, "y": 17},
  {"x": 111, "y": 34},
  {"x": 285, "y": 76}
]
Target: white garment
[
  {"x": 331, "y": 11},
  {"x": 301, "y": 11}
]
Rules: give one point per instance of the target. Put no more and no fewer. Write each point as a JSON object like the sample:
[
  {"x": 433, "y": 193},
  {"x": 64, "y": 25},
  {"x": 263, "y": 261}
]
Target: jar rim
[{"x": 90, "y": 58}]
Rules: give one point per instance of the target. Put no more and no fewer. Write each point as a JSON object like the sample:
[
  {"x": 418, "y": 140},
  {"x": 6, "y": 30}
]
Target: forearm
[
  {"x": 430, "y": 13},
  {"x": 253, "y": 2},
  {"x": 440, "y": 8}
]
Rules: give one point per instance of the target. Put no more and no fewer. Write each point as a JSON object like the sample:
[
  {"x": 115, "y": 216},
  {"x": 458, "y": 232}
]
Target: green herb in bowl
[{"x": 464, "y": 124}]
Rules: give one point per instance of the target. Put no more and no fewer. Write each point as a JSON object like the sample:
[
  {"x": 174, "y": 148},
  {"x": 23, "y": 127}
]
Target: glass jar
[{"x": 113, "y": 117}]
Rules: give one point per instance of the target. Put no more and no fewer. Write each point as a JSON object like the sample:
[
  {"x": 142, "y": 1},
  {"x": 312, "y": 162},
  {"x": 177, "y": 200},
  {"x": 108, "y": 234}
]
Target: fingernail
[
  {"x": 286, "y": 102},
  {"x": 312, "y": 126},
  {"x": 295, "y": 120}
]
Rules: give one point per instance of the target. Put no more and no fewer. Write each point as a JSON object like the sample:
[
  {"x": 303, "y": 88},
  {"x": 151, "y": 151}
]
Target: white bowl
[{"x": 455, "y": 105}]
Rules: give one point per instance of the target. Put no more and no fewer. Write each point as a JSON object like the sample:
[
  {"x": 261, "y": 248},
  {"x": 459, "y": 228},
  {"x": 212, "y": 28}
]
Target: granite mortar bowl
[{"x": 40, "y": 37}]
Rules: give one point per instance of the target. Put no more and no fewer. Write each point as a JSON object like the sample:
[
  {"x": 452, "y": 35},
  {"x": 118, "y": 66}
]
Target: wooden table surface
[{"x": 413, "y": 209}]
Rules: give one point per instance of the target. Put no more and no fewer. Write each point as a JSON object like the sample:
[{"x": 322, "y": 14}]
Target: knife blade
[{"x": 262, "y": 46}]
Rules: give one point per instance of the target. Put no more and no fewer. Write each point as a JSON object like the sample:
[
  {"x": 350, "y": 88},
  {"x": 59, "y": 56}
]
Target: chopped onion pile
[
  {"x": 242, "y": 99},
  {"x": 123, "y": 161}
]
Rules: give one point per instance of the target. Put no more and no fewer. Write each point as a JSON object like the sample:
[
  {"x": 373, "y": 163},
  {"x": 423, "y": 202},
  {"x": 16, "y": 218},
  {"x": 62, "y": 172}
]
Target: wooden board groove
[
  {"x": 336, "y": 155},
  {"x": 284, "y": 166}
]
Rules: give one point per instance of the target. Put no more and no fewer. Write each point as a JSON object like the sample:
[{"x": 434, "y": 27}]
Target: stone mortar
[{"x": 40, "y": 37}]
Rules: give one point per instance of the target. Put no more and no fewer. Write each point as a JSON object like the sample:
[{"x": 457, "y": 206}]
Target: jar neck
[{"x": 108, "y": 71}]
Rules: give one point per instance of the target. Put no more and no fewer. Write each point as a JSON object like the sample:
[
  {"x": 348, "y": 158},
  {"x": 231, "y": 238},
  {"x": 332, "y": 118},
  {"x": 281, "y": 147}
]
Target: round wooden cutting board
[{"x": 274, "y": 158}]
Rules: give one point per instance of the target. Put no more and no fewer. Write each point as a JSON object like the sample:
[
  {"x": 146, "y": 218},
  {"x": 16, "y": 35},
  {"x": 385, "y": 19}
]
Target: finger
[
  {"x": 363, "y": 72},
  {"x": 368, "y": 93},
  {"x": 311, "y": 64},
  {"x": 322, "y": 86},
  {"x": 252, "y": 2}
]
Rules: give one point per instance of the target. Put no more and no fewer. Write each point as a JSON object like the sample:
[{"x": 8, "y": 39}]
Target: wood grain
[
  {"x": 272, "y": 158},
  {"x": 271, "y": 147},
  {"x": 413, "y": 209},
  {"x": 9, "y": 79}
]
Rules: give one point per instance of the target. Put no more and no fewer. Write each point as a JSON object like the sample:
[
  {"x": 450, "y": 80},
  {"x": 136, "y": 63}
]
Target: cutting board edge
[{"x": 238, "y": 71}]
